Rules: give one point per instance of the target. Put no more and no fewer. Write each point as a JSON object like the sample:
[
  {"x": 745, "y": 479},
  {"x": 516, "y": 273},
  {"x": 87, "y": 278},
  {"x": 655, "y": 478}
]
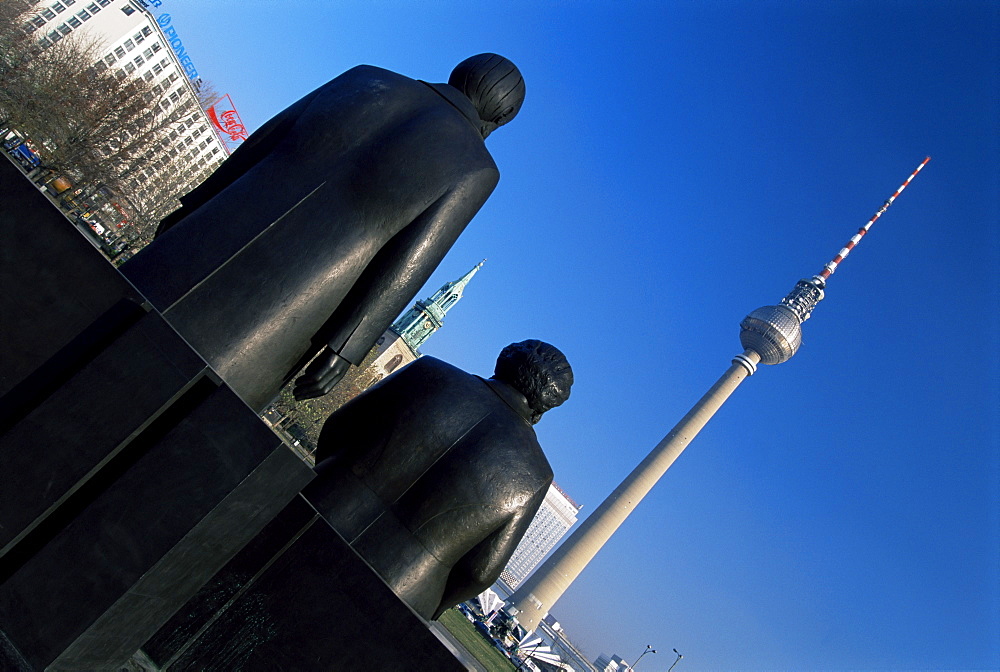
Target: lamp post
[
  {"x": 679, "y": 656},
  {"x": 649, "y": 649}
]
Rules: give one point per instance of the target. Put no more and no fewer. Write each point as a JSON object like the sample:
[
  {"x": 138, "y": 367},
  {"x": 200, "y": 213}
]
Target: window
[
  {"x": 148, "y": 76},
  {"x": 196, "y": 133},
  {"x": 128, "y": 10},
  {"x": 165, "y": 61},
  {"x": 104, "y": 3},
  {"x": 138, "y": 37},
  {"x": 129, "y": 68},
  {"x": 44, "y": 42},
  {"x": 188, "y": 141},
  {"x": 83, "y": 14},
  {"x": 148, "y": 53},
  {"x": 48, "y": 14},
  {"x": 29, "y": 28},
  {"x": 38, "y": 21},
  {"x": 173, "y": 77},
  {"x": 73, "y": 22},
  {"x": 59, "y": 8},
  {"x": 174, "y": 97},
  {"x": 138, "y": 60},
  {"x": 69, "y": 2},
  {"x": 64, "y": 29},
  {"x": 119, "y": 52},
  {"x": 155, "y": 47},
  {"x": 93, "y": 8},
  {"x": 109, "y": 59},
  {"x": 157, "y": 69},
  {"x": 128, "y": 45},
  {"x": 157, "y": 90},
  {"x": 147, "y": 31}
]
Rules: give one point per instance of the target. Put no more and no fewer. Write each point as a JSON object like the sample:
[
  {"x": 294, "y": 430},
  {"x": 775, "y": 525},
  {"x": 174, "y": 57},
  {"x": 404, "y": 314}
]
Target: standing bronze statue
[
  {"x": 320, "y": 229},
  {"x": 433, "y": 475}
]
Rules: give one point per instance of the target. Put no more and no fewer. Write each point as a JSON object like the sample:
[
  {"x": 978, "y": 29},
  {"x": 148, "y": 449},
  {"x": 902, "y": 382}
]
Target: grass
[{"x": 484, "y": 652}]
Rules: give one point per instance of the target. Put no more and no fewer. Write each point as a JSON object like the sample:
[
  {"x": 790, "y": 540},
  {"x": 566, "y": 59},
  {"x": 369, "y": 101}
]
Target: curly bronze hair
[{"x": 537, "y": 370}]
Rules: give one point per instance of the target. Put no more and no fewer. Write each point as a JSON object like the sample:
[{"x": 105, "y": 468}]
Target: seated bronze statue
[
  {"x": 433, "y": 475},
  {"x": 320, "y": 229}
]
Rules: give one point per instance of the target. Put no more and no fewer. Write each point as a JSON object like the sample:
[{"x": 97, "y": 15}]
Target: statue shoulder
[
  {"x": 436, "y": 378},
  {"x": 367, "y": 74}
]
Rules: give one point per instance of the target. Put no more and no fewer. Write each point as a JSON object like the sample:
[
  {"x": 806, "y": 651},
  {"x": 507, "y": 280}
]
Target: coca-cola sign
[{"x": 224, "y": 117}]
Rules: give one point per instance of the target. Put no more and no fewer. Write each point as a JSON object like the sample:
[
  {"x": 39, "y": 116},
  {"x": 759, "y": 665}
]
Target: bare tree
[
  {"x": 107, "y": 131},
  {"x": 153, "y": 183}
]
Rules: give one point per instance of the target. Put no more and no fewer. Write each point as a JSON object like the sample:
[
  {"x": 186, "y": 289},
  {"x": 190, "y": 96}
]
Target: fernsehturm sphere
[{"x": 769, "y": 335}]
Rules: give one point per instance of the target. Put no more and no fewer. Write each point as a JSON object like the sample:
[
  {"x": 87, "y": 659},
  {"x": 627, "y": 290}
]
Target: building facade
[
  {"x": 608, "y": 663},
  {"x": 138, "y": 43},
  {"x": 553, "y": 520}
]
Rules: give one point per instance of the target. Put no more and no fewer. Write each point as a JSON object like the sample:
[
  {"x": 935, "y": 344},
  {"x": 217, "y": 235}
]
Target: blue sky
[{"x": 676, "y": 165}]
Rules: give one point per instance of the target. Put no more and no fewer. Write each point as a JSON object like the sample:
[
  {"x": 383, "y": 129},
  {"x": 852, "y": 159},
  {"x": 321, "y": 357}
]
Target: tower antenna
[{"x": 831, "y": 265}]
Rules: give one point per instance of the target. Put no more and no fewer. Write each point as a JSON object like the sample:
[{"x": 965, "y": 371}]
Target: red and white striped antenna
[{"x": 831, "y": 265}]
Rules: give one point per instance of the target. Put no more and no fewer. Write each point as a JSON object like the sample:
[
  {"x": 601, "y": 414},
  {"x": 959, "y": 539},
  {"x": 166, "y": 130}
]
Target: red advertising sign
[{"x": 224, "y": 117}]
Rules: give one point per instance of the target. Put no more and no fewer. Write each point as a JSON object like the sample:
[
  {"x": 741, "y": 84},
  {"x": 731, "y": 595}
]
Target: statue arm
[
  {"x": 478, "y": 569},
  {"x": 391, "y": 281}
]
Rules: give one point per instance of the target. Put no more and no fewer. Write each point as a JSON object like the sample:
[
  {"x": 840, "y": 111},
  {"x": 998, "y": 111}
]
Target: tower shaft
[{"x": 535, "y": 597}]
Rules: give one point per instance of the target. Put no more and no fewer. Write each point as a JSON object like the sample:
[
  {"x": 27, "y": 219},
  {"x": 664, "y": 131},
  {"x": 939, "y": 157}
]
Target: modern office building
[
  {"x": 139, "y": 43},
  {"x": 553, "y": 520}
]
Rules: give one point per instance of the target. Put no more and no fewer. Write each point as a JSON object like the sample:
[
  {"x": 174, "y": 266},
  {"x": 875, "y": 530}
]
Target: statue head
[
  {"x": 495, "y": 87},
  {"x": 537, "y": 370}
]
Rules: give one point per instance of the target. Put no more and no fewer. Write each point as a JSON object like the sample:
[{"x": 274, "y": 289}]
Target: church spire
[{"x": 426, "y": 317}]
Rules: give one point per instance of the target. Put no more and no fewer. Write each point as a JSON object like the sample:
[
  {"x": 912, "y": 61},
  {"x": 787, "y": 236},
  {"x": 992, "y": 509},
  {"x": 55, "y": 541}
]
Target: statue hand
[{"x": 321, "y": 375}]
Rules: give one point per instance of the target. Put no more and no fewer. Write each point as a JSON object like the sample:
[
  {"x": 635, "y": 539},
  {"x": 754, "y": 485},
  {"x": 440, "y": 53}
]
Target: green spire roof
[{"x": 426, "y": 317}]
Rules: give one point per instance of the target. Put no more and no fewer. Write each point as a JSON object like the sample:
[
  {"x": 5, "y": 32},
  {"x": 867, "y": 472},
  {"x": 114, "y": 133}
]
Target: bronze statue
[
  {"x": 433, "y": 475},
  {"x": 320, "y": 229}
]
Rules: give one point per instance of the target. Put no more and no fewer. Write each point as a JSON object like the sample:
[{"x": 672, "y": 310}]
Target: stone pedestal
[
  {"x": 297, "y": 598},
  {"x": 131, "y": 474}
]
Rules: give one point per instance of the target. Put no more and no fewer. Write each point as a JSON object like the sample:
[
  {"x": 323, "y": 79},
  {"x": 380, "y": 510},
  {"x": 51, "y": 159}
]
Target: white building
[
  {"x": 608, "y": 663},
  {"x": 141, "y": 44},
  {"x": 553, "y": 520}
]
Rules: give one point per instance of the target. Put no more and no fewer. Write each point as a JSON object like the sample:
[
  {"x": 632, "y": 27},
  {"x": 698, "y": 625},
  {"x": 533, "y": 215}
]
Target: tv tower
[{"x": 769, "y": 335}]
